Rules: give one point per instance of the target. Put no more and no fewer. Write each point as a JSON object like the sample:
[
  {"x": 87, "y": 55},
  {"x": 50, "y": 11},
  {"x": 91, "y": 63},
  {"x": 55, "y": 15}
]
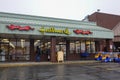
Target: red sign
[
  {"x": 84, "y": 32},
  {"x": 21, "y": 28}
]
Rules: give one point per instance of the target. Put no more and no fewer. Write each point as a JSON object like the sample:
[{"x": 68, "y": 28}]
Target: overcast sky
[{"x": 67, "y": 9}]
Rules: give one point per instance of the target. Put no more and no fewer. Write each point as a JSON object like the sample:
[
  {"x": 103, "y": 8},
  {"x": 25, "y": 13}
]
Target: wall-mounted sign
[
  {"x": 53, "y": 30},
  {"x": 21, "y": 28},
  {"x": 84, "y": 32}
]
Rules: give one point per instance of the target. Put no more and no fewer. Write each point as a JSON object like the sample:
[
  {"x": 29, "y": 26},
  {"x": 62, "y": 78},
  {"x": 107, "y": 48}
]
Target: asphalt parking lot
[{"x": 87, "y": 71}]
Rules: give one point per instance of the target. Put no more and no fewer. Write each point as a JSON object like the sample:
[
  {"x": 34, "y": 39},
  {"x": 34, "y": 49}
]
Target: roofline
[
  {"x": 52, "y": 19},
  {"x": 105, "y": 14}
]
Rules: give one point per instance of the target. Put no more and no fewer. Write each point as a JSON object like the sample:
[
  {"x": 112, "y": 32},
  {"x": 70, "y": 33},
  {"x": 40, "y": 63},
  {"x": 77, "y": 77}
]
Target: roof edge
[{"x": 16, "y": 15}]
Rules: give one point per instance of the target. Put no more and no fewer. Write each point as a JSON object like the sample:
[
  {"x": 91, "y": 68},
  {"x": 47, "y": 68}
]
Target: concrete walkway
[{"x": 16, "y": 64}]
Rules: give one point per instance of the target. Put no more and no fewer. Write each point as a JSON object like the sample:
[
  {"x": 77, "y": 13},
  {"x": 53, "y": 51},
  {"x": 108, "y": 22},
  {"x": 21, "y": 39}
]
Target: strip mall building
[{"x": 21, "y": 34}]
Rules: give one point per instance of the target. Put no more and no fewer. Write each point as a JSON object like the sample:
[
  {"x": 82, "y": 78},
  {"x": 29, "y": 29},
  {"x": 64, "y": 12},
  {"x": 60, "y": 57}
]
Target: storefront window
[
  {"x": 19, "y": 49},
  {"x": 43, "y": 45},
  {"x": 88, "y": 47},
  {"x": 72, "y": 47},
  {"x": 15, "y": 49},
  {"x": 92, "y": 47},
  {"x": 4, "y": 51},
  {"x": 77, "y": 44},
  {"x": 82, "y": 46}
]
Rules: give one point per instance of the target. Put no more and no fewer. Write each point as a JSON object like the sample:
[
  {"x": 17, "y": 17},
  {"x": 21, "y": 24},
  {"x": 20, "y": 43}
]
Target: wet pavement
[{"x": 91, "y": 71}]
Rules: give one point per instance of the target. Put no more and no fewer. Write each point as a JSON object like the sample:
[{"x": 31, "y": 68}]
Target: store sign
[
  {"x": 84, "y": 32},
  {"x": 21, "y": 28},
  {"x": 53, "y": 30}
]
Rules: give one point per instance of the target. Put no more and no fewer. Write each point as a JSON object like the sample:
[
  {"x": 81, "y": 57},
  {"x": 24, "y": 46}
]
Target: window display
[{"x": 82, "y": 46}]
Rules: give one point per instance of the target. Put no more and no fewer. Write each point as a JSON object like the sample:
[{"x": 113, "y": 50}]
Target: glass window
[
  {"x": 4, "y": 51},
  {"x": 72, "y": 47},
  {"x": 83, "y": 46},
  {"x": 19, "y": 49},
  {"x": 93, "y": 47},
  {"x": 88, "y": 47},
  {"x": 77, "y": 46},
  {"x": 44, "y": 45}
]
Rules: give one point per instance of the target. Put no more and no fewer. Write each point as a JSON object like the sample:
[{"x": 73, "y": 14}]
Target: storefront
[{"x": 20, "y": 35}]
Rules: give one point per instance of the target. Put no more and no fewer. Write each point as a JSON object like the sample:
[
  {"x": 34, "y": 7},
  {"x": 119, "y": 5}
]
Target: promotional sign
[
  {"x": 20, "y": 28},
  {"x": 84, "y": 32}
]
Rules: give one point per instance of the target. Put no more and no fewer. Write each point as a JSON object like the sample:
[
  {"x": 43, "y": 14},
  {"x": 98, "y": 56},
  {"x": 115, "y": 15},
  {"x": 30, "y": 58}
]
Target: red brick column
[
  {"x": 97, "y": 46},
  {"x": 32, "y": 52},
  {"x": 53, "y": 49},
  {"x": 109, "y": 45},
  {"x": 101, "y": 45},
  {"x": 67, "y": 48}
]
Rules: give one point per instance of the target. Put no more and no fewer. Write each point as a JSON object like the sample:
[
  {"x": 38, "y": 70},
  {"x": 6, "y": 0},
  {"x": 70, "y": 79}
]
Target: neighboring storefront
[
  {"x": 109, "y": 21},
  {"x": 20, "y": 35}
]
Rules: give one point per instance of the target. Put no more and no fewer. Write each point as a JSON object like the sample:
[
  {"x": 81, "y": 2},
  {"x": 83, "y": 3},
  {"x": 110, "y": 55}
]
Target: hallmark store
[{"x": 21, "y": 35}]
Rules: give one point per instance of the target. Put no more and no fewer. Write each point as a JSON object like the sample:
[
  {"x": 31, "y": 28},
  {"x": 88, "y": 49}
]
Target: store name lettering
[
  {"x": 21, "y": 28},
  {"x": 84, "y": 32},
  {"x": 53, "y": 30}
]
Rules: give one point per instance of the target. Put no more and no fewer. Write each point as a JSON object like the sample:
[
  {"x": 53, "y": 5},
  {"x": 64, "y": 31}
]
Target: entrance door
[
  {"x": 4, "y": 52},
  {"x": 43, "y": 46}
]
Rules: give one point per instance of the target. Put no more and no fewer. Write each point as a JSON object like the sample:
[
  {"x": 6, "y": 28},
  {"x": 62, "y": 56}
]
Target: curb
[{"x": 20, "y": 64}]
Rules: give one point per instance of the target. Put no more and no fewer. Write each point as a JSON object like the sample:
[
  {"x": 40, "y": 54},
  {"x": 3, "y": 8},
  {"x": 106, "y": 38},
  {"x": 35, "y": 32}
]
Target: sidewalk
[{"x": 16, "y": 64}]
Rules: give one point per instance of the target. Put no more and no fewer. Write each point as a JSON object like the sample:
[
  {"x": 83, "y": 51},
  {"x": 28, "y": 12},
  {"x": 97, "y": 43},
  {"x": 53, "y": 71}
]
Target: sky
[{"x": 66, "y": 9}]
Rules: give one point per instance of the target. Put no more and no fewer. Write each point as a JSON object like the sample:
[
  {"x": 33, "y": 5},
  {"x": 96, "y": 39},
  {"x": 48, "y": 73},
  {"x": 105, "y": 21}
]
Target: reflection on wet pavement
[{"x": 99, "y": 71}]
